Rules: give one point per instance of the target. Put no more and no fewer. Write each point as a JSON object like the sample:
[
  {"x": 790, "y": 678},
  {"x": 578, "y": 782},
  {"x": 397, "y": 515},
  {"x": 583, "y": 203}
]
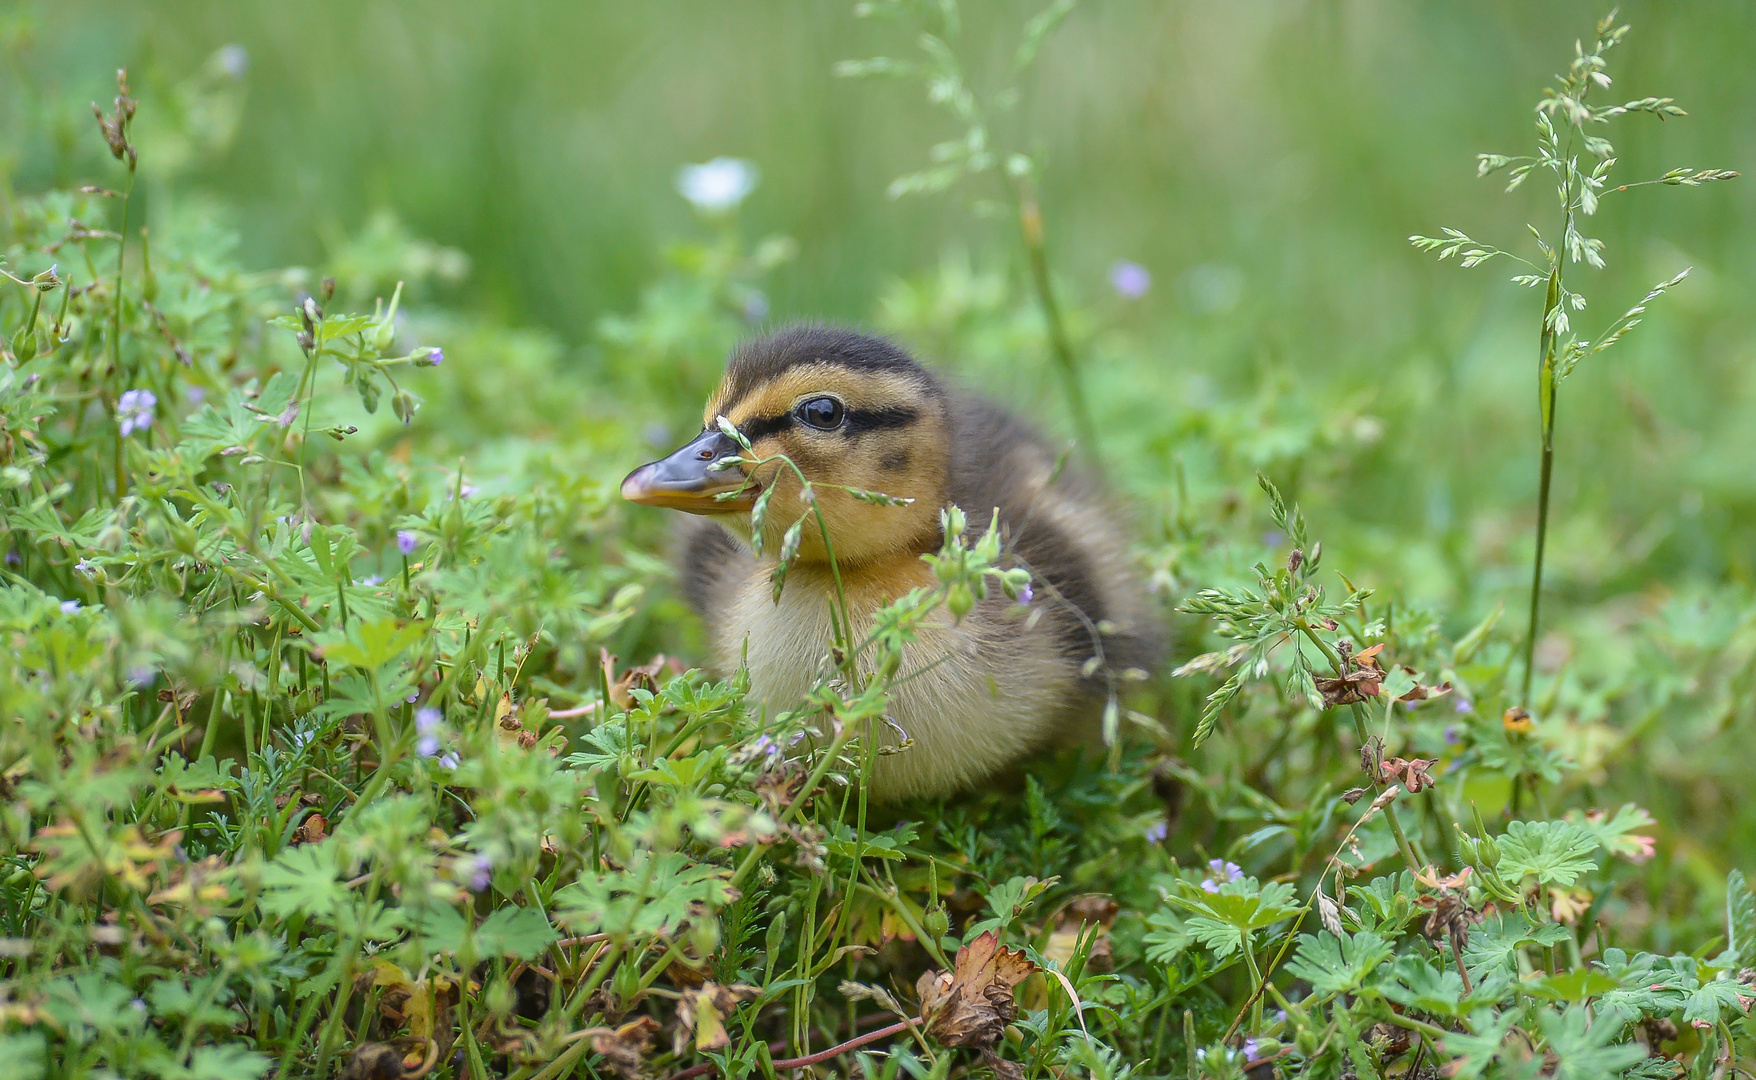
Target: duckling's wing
[{"x": 1059, "y": 522}]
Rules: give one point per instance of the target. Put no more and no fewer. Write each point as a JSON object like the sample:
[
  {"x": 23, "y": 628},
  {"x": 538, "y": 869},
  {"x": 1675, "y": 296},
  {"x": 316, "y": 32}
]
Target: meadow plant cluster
[{"x": 333, "y": 740}]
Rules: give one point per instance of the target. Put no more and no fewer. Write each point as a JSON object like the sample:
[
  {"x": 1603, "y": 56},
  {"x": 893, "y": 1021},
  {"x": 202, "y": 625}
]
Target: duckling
[{"x": 974, "y": 695}]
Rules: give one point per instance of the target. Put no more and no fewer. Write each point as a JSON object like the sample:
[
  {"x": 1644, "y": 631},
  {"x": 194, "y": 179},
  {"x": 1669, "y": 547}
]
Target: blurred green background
[{"x": 1264, "y": 161}]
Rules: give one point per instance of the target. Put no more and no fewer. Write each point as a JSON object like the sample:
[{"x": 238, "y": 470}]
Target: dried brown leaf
[
  {"x": 972, "y": 1004},
  {"x": 701, "y": 1016},
  {"x": 624, "y": 1049}
]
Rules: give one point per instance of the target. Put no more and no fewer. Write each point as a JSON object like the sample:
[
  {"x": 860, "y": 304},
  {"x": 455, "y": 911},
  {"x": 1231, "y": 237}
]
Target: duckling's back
[{"x": 1060, "y": 523}]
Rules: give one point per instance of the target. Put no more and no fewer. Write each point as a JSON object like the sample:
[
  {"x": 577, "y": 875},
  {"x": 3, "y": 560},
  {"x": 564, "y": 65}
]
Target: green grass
[{"x": 321, "y": 731}]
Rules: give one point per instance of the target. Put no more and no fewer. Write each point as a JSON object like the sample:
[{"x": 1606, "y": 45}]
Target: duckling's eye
[{"x": 824, "y": 413}]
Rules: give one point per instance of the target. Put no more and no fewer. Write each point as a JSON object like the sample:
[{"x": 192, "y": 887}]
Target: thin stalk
[
  {"x": 1546, "y": 397},
  {"x": 1255, "y": 977},
  {"x": 1402, "y": 844},
  {"x": 116, "y": 325},
  {"x": 1030, "y": 227}
]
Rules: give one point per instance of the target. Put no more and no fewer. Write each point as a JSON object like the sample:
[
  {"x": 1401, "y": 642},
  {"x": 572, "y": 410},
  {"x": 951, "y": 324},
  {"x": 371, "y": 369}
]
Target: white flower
[
  {"x": 234, "y": 60},
  {"x": 718, "y": 186}
]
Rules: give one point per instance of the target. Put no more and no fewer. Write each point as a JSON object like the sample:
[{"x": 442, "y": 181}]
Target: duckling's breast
[{"x": 971, "y": 696}]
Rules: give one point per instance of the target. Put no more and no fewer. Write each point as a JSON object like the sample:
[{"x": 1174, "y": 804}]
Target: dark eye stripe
[
  {"x": 763, "y": 427},
  {"x": 858, "y": 422}
]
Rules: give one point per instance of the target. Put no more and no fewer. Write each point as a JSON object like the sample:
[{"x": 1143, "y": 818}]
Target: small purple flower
[
  {"x": 1130, "y": 279},
  {"x": 1464, "y": 704},
  {"x": 1026, "y": 595},
  {"x": 134, "y": 411},
  {"x": 195, "y": 395},
  {"x": 406, "y": 541},
  {"x": 1156, "y": 833},
  {"x": 448, "y": 760},
  {"x": 755, "y": 306},
  {"x": 1252, "y": 1049},
  {"x": 414, "y": 697},
  {"x": 1453, "y": 735},
  {"x": 1220, "y": 872},
  {"x": 432, "y": 357},
  {"x": 370, "y": 580},
  {"x": 84, "y": 567},
  {"x": 427, "y": 746},
  {"x": 469, "y": 489},
  {"x": 141, "y": 675},
  {"x": 68, "y": 607},
  {"x": 1273, "y": 538},
  {"x": 482, "y": 874},
  {"x": 427, "y": 719},
  {"x": 12, "y": 558},
  {"x": 766, "y": 748}
]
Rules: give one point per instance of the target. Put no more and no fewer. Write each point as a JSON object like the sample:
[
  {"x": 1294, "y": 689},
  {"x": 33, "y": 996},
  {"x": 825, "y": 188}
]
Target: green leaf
[
  {"x": 1168, "y": 939},
  {"x": 205, "y": 774},
  {"x": 1616, "y": 833},
  {"x": 519, "y": 932},
  {"x": 439, "y": 929},
  {"x": 1495, "y": 941},
  {"x": 607, "y": 743},
  {"x": 335, "y": 326},
  {"x": 1650, "y": 985},
  {"x": 1242, "y": 905},
  {"x": 1007, "y": 901},
  {"x": 1572, "y": 986},
  {"x": 369, "y": 646},
  {"x": 1740, "y": 918},
  {"x": 1709, "y": 1001},
  {"x": 1338, "y": 965},
  {"x": 1220, "y": 938},
  {"x": 1416, "y": 984},
  {"x": 1584, "y": 1050},
  {"x": 1471, "y": 1054},
  {"x": 1553, "y": 852},
  {"x": 228, "y": 1062},
  {"x": 302, "y": 880},
  {"x": 24, "y": 1056}
]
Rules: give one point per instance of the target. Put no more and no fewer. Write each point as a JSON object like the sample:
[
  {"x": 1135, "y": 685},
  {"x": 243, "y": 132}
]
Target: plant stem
[
  {"x": 1536, "y": 576},
  {"x": 1546, "y": 387},
  {"x": 1255, "y": 977},
  {"x": 116, "y": 327},
  {"x": 1030, "y": 227},
  {"x": 1402, "y": 844}
]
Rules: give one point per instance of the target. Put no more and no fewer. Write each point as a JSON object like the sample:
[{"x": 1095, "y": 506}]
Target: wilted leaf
[
  {"x": 624, "y": 1049},
  {"x": 701, "y": 1016},
  {"x": 972, "y": 1004}
]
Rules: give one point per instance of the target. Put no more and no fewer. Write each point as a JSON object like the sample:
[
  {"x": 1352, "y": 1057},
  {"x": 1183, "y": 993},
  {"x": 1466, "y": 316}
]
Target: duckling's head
[{"x": 850, "y": 411}]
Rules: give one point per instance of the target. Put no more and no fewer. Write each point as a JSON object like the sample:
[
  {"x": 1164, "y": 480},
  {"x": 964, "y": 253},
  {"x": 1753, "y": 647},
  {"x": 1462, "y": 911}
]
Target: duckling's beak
[{"x": 687, "y": 480}]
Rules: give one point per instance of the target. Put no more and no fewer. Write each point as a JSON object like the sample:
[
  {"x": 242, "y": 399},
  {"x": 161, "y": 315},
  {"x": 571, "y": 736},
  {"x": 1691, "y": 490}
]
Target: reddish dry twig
[{"x": 810, "y": 1059}]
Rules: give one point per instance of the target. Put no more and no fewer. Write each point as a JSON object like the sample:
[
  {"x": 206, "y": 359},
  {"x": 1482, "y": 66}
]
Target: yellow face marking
[{"x": 779, "y": 396}]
